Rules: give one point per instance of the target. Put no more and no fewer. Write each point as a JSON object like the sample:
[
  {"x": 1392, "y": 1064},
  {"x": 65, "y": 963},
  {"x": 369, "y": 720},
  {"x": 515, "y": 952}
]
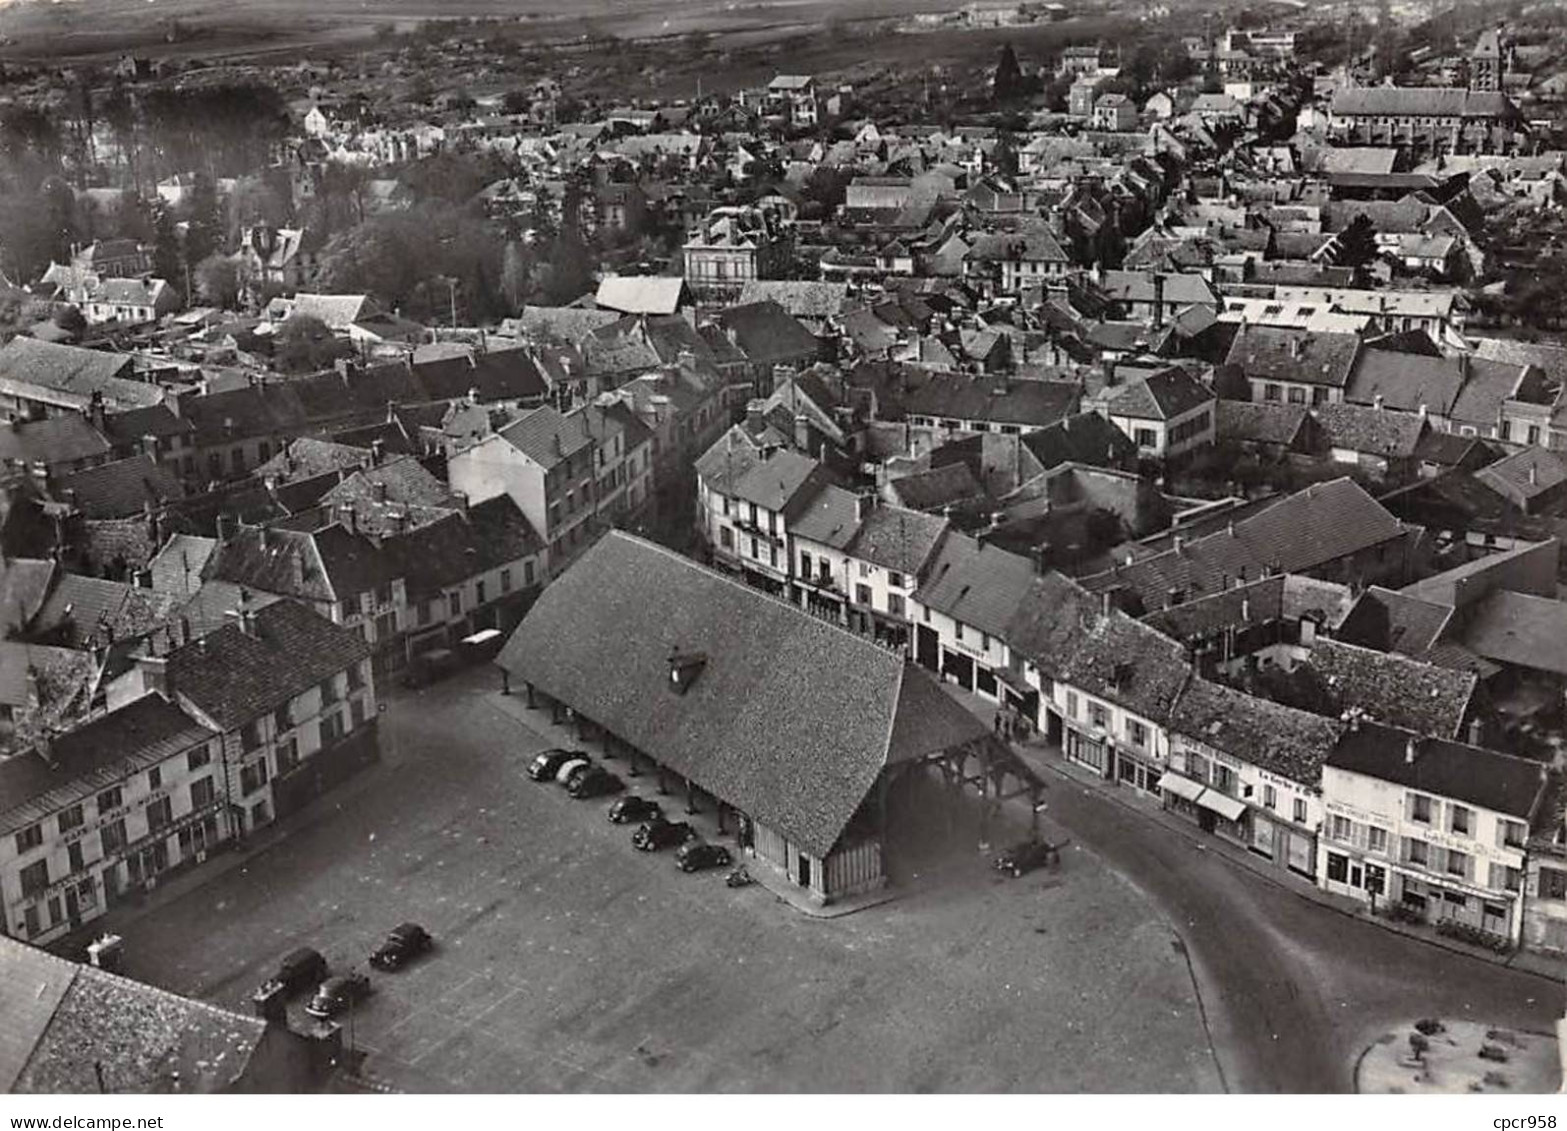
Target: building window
[
  {"x": 1136, "y": 733},
  {"x": 1415, "y": 851},
  {"x": 331, "y": 728},
  {"x": 159, "y": 814},
  {"x": 1098, "y": 715},
  {"x": 202, "y": 792},
  {"x": 1270, "y": 797},
  {"x": 73, "y": 856},
  {"x": 282, "y": 719},
  {"x": 1145, "y": 437},
  {"x": 1457, "y": 863},
  {"x": 895, "y": 604},
  {"x": 1300, "y": 811},
  {"x": 1338, "y": 867},
  {"x": 1071, "y": 704},
  {"x": 71, "y": 818},
  {"x": 1343, "y": 828},
  {"x": 1553, "y": 883},
  {"x": 1506, "y": 878},
  {"x": 155, "y": 778},
  {"x": 112, "y": 837},
  {"x": 356, "y": 678},
  {"x": 287, "y": 756},
  {"x": 862, "y": 596},
  {"x": 1511, "y": 834},
  {"x": 250, "y": 735},
  {"x": 29, "y": 838},
  {"x": 253, "y": 776},
  {"x": 1420, "y": 809},
  {"x": 35, "y": 878},
  {"x": 505, "y": 581},
  {"x": 726, "y": 538},
  {"x": 895, "y": 580},
  {"x": 197, "y": 758},
  {"x": 805, "y": 564},
  {"x": 108, "y": 799},
  {"x": 957, "y": 629},
  {"x": 1458, "y": 819},
  {"x": 1376, "y": 839}
]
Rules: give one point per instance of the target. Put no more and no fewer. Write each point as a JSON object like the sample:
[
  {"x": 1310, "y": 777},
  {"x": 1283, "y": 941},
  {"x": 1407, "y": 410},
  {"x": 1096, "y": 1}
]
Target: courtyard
[{"x": 567, "y": 961}]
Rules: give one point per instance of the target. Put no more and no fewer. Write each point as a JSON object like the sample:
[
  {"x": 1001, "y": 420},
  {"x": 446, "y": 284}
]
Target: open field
[{"x": 102, "y": 30}]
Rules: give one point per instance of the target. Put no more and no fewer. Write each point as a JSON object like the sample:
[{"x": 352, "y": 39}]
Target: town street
[{"x": 1293, "y": 990}]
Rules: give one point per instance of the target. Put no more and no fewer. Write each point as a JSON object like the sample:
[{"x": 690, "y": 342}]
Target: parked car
[
  {"x": 571, "y": 766},
  {"x": 430, "y": 667},
  {"x": 298, "y": 969},
  {"x": 634, "y": 808},
  {"x": 1026, "y": 856},
  {"x": 337, "y": 993},
  {"x": 547, "y": 764},
  {"x": 481, "y": 646},
  {"x": 659, "y": 833},
  {"x": 404, "y": 942},
  {"x": 696, "y": 857},
  {"x": 595, "y": 781}
]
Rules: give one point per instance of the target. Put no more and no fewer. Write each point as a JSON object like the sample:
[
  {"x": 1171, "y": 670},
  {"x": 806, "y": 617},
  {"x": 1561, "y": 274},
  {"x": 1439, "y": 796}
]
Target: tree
[
  {"x": 1007, "y": 81},
  {"x": 166, "y": 263},
  {"x": 204, "y": 226},
  {"x": 70, "y": 319},
  {"x": 517, "y": 102},
  {"x": 1357, "y": 244},
  {"x": 217, "y": 280},
  {"x": 303, "y": 342}
]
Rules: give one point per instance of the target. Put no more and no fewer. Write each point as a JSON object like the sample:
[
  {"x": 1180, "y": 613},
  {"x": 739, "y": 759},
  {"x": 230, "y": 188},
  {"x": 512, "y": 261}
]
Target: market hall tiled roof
[{"x": 789, "y": 718}]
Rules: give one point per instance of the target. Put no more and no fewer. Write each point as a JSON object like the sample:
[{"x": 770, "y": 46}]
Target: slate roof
[
  {"x": 1394, "y": 689},
  {"x": 938, "y": 487},
  {"x": 1166, "y": 395},
  {"x": 24, "y": 586},
  {"x": 976, "y": 583},
  {"x": 70, "y": 1022},
  {"x": 829, "y": 518},
  {"x": 790, "y": 719},
  {"x": 325, "y": 565},
  {"x": 1286, "y": 596},
  {"x": 1369, "y": 431},
  {"x": 404, "y": 480},
  {"x": 1295, "y": 534},
  {"x": 72, "y": 374},
  {"x": 82, "y": 761},
  {"x": 1390, "y": 621},
  {"x": 1406, "y": 381},
  {"x": 547, "y": 436},
  {"x": 88, "y": 610},
  {"x": 1259, "y": 422},
  {"x": 1279, "y": 739},
  {"x": 960, "y": 397},
  {"x": 897, "y": 538},
  {"x": 1509, "y": 476},
  {"x": 1484, "y": 778},
  {"x": 307, "y": 457},
  {"x": 641, "y": 294},
  {"x": 232, "y": 677},
  {"x": 1283, "y": 354},
  {"x": 1519, "y": 630},
  {"x": 1086, "y": 438},
  {"x": 799, "y": 298},
  {"x": 54, "y": 440},
  {"x": 123, "y": 487},
  {"x": 767, "y": 334},
  {"x": 781, "y": 480}
]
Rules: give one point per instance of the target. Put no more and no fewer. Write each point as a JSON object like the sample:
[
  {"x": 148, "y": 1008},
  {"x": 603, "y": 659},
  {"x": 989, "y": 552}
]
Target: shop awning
[
  {"x": 1181, "y": 787},
  {"x": 1226, "y": 807}
]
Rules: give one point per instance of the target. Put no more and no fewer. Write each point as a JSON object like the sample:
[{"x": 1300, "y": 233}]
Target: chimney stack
[
  {"x": 225, "y": 528},
  {"x": 1411, "y": 752},
  {"x": 1475, "y": 732},
  {"x": 1104, "y": 604},
  {"x": 155, "y": 674},
  {"x": 1534, "y": 475}
]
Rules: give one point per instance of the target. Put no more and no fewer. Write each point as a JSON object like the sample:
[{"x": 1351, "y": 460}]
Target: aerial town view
[{"x": 659, "y": 547}]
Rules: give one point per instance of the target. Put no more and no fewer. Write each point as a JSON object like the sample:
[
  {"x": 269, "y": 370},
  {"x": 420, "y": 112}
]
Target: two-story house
[{"x": 1437, "y": 826}]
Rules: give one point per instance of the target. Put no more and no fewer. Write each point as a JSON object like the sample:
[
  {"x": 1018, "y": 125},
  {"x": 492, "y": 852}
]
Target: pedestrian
[{"x": 996, "y": 723}]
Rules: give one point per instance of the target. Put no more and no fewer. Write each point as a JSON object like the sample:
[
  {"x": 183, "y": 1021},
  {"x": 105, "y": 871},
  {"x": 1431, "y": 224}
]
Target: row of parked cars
[
  {"x": 335, "y": 993},
  {"x": 585, "y": 778}
]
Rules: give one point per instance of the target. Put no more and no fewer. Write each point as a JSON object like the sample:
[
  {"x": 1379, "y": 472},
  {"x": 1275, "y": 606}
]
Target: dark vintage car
[
  {"x": 298, "y": 969},
  {"x": 404, "y": 942},
  {"x": 337, "y": 993},
  {"x": 634, "y": 808},
  {"x": 431, "y": 667},
  {"x": 659, "y": 833},
  {"x": 547, "y": 764},
  {"x": 696, "y": 857},
  {"x": 1026, "y": 856},
  {"x": 595, "y": 781}
]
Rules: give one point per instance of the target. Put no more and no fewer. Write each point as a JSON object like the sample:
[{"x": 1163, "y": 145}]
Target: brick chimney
[{"x": 155, "y": 674}]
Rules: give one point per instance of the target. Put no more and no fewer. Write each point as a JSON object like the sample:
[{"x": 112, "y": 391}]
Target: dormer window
[{"x": 684, "y": 668}]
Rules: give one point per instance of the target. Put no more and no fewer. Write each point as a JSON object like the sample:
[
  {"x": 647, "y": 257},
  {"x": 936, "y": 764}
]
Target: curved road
[{"x": 1293, "y": 990}]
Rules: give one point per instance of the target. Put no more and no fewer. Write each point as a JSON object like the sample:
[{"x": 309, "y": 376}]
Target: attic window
[{"x": 684, "y": 668}]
